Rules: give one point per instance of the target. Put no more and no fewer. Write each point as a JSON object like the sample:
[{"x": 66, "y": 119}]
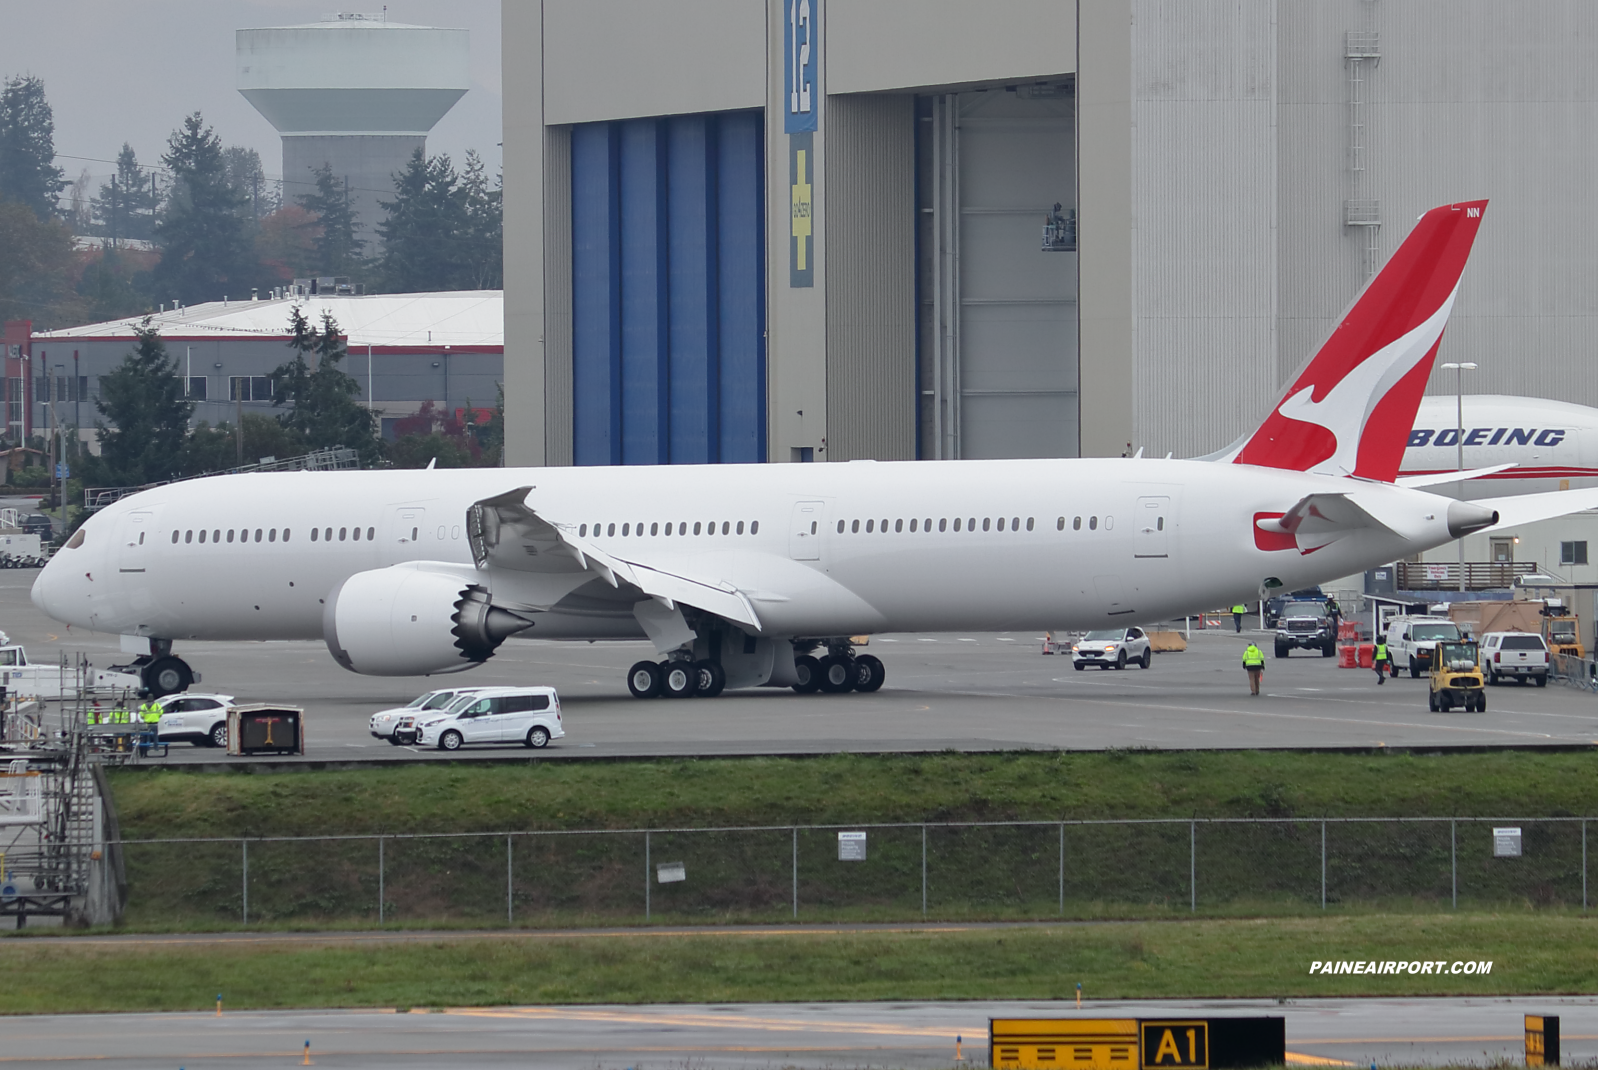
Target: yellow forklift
[
  {"x": 1561, "y": 633},
  {"x": 1456, "y": 678}
]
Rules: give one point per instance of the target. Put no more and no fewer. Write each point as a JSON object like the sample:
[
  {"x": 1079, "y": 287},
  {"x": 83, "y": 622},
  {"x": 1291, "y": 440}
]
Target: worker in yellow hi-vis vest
[
  {"x": 1254, "y": 663},
  {"x": 1237, "y": 616}
]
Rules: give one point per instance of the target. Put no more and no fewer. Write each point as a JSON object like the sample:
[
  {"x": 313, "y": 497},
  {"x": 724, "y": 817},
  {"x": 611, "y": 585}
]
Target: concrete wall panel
[
  {"x": 624, "y": 59},
  {"x": 525, "y": 352},
  {"x": 876, "y": 45}
]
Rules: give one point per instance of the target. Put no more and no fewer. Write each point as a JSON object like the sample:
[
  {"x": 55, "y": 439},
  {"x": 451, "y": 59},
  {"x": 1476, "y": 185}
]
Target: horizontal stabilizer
[
  {"x": 1433, "y": 479},
  {"x": 1526, "y": 508}
]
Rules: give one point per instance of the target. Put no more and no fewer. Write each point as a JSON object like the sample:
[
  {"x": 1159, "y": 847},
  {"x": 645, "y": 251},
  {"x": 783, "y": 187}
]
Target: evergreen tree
[
  {"x": 206, "y": 251},
  {"x": 148, "y": 415},
  {"x": 426, "y": 229},
  {"x": 321, "y": 395},
  {"x": 338, "y": 250},
  {"x": 36, "y": 269},
  {"x": 247, "y": 178},
  {"x": 125, "y": 207},
  {"x": 27, "y": 147},
  {"x": 483, "y": 250}
]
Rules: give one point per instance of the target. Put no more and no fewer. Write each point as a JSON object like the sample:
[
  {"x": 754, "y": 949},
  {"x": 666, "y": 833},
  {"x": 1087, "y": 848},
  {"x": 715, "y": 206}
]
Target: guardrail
[
  {"x": 966, "y": 870},
  {"x": 1444, "y": 576}
]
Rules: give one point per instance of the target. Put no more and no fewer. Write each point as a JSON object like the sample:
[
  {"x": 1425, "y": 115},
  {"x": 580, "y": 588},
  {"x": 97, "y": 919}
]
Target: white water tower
[{"x": 354, "y": 91}]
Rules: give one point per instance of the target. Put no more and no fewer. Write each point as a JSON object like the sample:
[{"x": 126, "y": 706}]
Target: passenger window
[
  {"x": 984, "y": 523},
  {"x": 1093, "y": 523},
  {"x": 1029, "y": 523},
  {"x": 912, "y": 524},
  {"x": 271, "y": 536},
  {"x": 343, "y": 533},
  {"x": 371, "y": 533},
  {"x": 258, "y": 534},
  {"x": 202, "y": 534},
  {"x": 327, "y": 534},
  {"x": 654, "y": 529},
  {"x": 175, "y": 534},
  {"x": 1015, "y": 523},
  {"x": 538, "y": 702},
  {"x": 314, "y": 533},
  {"x": 1159, "y": 524},
  {"x": 740, "y": 527},
  {"x": 956, "y": 523},
  {"x": 229, "y": 534},
  {"x": 141, "y": 538},
  {"x": 812, "y": 527},
  {"x": 926, "y": 525},
  {"x": 943, "y": 524},
  {"x": 188, "y": 536},
  {"x": 357, "y": 534},
  {"x": 668, "y": 529},
  {"x": 898, "y": 525},
  {"x": 854, "y": 527},
  {"x": 608, "y": 531},
  {"x": 1059, "y": 525},
  {"x": 754, "y": 527},
  {"x": 884, "y": 528},
  {"x": 216, "y": 535},
  {"x": 625, "y": 528},
  {"x": 724, "y": 527},
  {"x": 870, "y": 525},
  {"x": 285, "y": 534}
]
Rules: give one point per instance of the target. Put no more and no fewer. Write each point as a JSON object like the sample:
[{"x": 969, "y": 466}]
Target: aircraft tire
[
  {"x": 837, "y": 674},
  {"x": 808, "y": 669},
  {"x": 712, "y": 679},
  {"x": 869, "y": 673},
  {"x": 678, "y": 679},
  {"x": 643, "y": 679},
  {"x": 167, "y": 676}
]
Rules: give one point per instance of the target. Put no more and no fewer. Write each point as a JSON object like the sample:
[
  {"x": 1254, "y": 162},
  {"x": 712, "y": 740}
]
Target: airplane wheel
[
  {"x": 869, "y": 673},
  {"x": 643, "y": 680},
  {"x": 837, "y": 673},
  {"x": 678, "y": 679},
  {"x": 712, "y": 679},
  {"x": 808, "y": 669},
  {"x": 167, "y": 676}
]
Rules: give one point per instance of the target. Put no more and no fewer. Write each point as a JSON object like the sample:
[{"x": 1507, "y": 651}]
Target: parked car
[
  {"x": 398, "y": 725},
  {"x": 1304, "y": 626},
  {"x": 1411, "y": 641},
  {"x": 1515, "y": 654},
  {"x": 526, "y": 715},
  {"x": 38, "y": 524},
  {"x": 1112, "y": 647},
  {"x": 187, "y": 717}
]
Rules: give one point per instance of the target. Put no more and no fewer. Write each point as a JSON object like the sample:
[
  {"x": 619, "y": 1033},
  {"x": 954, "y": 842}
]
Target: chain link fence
[{"x": 943, "y": 871}]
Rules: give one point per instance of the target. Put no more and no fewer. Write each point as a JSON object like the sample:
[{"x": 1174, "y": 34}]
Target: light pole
[{"x": 1459, "y": 369}]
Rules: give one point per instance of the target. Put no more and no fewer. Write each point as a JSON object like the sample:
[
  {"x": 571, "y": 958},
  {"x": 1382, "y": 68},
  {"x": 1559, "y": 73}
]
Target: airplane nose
[{"x": 42, "y": 586}]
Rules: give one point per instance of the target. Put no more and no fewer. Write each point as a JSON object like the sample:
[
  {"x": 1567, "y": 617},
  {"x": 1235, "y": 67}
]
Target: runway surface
[
  {"x": 974, "y": 692},
  {"x": 1319, "y": 1032}
]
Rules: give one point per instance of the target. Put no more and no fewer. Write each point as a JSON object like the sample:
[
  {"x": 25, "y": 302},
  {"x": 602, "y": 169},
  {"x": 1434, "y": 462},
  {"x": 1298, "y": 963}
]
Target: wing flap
[
  {"x": 1526, "y": 508},
  {"x": 1433, "y": 479}
]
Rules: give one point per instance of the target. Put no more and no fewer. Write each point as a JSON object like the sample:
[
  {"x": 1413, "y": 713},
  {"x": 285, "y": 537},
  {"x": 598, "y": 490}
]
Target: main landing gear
[
  {"x": 838, "y": 670},
  {"x": 676, "y": 678}
]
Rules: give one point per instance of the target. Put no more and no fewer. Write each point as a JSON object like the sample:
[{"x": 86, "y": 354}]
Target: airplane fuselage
[{"x": 819, "y": 550}]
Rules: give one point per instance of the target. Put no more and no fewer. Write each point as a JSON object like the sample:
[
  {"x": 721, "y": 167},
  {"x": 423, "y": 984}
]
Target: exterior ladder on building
[{"x": 1361, "y": 53}]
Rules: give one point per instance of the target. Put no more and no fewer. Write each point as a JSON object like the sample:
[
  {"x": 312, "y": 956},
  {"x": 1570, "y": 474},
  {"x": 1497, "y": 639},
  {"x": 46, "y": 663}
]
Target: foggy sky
[{"x": 130, "y": 70}]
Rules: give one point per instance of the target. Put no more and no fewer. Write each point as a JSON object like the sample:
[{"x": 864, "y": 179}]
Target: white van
[
  {"x": 398, "y": 726},
  {"x": 1411, "y": 641},
  {"x": 526, "y": 715},
  {"x": 1518, "y": 654}
]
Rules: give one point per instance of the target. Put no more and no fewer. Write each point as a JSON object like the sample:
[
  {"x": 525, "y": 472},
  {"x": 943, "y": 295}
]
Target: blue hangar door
[{"x": 668, "y": 290}]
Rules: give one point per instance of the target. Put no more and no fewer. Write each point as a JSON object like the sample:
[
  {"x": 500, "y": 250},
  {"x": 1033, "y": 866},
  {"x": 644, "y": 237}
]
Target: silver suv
[{"x": 1112, "y": 647}]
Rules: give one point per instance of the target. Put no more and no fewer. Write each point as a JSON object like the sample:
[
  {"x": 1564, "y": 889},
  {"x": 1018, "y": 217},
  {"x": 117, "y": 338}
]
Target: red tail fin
[{"x": 1350, "y": 410}]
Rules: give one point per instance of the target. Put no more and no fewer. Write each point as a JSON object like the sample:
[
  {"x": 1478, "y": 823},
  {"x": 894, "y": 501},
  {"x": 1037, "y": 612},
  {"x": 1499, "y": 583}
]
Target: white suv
[
  {"x": 1518, "y": 654},
  {"x": 1108, "y": 647},
  {"x": 525, "y": 715},
  {"x": 398, "y": 726},
  {"x": 190, "y": 718}
]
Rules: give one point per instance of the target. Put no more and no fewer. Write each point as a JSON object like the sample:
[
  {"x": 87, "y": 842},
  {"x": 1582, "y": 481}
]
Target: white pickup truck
[
  {"x": 1411, "y": 641},
  {"x": 1518, "y": 654},
  {"x": 24, "y": 679}
]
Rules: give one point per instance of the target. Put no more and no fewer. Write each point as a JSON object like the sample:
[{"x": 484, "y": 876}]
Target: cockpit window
[{"x": 76, "y": 540}]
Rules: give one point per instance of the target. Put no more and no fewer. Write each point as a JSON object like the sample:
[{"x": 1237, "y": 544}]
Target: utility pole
[
  {"x": 113, "y": 211},
  {"x": 1459, "y": 370},
  {"x": 239, "y": 434}
]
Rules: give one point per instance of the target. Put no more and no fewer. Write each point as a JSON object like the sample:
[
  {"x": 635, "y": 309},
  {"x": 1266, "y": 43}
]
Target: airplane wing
[
  {"x": 1525, "y": 508},
  {"x": 505, "y": 532},
  {"x": 1432, "y": 479}
]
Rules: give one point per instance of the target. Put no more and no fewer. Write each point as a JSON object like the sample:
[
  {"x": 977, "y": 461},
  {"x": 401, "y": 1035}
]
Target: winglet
[{"x": 1350, "y": 410}]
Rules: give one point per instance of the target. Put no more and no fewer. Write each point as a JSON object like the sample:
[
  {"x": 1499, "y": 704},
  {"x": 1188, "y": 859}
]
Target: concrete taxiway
[
  {"x": 974, "y": 692},
  {"x": 1346, "y": 1032}
]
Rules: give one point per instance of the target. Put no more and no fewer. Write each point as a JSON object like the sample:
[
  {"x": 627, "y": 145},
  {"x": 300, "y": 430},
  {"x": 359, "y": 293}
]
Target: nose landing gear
[{"x": 161, "y": 673}]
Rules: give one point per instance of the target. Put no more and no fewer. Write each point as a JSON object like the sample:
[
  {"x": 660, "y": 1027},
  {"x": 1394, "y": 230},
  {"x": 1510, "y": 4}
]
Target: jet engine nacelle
[{"x": 415, "y": 620}]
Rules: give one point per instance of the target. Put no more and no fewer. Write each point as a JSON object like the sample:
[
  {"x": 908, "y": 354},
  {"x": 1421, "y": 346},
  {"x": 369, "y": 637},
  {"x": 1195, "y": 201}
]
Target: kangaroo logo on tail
[{"x": 1350, "y": 410}]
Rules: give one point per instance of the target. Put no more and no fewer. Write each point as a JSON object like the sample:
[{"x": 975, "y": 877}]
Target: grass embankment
[
  {"x": 1117, "y": 871},
  {"x": 1530, "y": 954}
]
